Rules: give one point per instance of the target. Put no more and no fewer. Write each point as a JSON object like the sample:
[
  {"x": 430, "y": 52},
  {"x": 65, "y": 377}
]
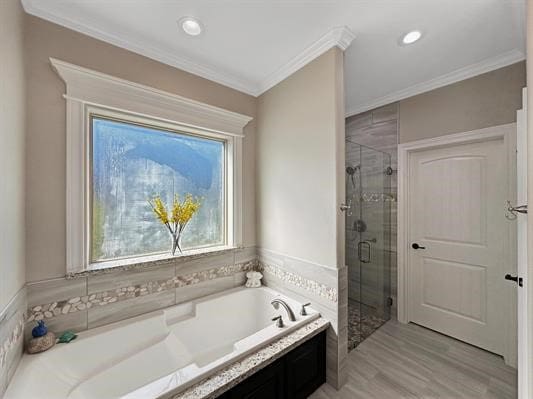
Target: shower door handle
[
  {"x": 360, "y": 248},
  {"x": 344, "y": 207}
]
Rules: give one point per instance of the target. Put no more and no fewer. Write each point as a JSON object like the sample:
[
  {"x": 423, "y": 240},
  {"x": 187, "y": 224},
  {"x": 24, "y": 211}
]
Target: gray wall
[
  {"x": 45, "y": 167},
  {"x": 300, "y": 128},
  {"x": 296, "y": 163},
  {"x": 12, "y": 132},
  {"x": 68, "y": 303},
  {"x": 12, "y": 128},
  {"x": 489, "y": 99}
]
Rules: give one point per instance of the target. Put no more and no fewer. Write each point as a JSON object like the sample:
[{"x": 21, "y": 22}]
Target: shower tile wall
[{"x": 377, "y": 129}]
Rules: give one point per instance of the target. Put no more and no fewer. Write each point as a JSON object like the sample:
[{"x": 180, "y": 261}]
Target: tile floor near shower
[
  {"x": 401, "y": 361},
  {"x": 362, "y": 321}
]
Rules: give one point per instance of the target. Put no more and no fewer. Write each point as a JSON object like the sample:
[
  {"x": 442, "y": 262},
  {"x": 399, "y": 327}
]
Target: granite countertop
[{"x": 232, "y": 375}]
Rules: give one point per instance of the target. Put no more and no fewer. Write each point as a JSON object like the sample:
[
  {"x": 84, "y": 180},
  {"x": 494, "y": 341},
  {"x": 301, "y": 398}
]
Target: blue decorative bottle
[{"x": 40, "y": 330}]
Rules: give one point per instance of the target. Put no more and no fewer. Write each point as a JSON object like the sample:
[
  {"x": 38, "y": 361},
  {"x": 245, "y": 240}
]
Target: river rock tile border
[
  {"x": 211, "y": 274},
  {"x": 12, "y": 340},
  {"x": 312, "y": 286},
  {"x": 81, "y": 303}
]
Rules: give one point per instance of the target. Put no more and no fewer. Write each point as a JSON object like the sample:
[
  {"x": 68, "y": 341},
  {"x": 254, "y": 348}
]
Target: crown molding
[
  {"x": 488, "y": 65},
  {"x": 143, "y": 48},
  {"x": 340, "y": 37}
]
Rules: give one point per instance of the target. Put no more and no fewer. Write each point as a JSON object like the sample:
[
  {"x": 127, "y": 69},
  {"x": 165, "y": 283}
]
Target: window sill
[{"x": 145, "y": 262}]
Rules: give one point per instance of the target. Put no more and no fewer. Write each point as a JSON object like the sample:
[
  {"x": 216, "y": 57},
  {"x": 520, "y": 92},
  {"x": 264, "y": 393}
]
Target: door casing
[{"x": 508, "y": 134}]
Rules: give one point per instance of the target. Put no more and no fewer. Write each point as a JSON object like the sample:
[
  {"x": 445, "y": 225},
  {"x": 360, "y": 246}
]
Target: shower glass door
[{"x": 368, "y": 240}]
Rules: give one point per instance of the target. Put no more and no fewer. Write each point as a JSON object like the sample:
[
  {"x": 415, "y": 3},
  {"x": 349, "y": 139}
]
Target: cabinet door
[
  {"x": 265, "y": 384},
  {"x": 306, "y": 368}
]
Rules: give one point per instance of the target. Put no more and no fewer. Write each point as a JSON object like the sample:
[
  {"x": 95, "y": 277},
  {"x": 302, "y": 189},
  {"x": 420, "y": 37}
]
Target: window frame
[
  {"x": 94, "y": 112},
  {"x": 89, "y": 92}
]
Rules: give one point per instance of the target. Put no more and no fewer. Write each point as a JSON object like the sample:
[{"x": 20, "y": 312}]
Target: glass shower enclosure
[{"x": 368, "y": 240}]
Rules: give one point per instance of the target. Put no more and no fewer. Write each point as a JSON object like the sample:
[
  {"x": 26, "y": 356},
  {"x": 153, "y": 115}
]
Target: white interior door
[
  {"x": 456, "y": 213},
  {"x": 521, "y": 197}
]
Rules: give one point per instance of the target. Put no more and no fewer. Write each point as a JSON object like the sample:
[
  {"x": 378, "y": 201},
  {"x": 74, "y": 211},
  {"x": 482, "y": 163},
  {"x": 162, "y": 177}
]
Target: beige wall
[
  {"x": 298, "y": 129},
  {"x": 45, "y": 168},
  {"x": 12, "y": 126},
  {"x": 486, "y": 100}
]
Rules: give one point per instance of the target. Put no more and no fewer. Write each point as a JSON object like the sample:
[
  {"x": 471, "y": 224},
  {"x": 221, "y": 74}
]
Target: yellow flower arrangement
[
  {"x": 160, "y": 210},
  {"x": 181, "y": 214}
]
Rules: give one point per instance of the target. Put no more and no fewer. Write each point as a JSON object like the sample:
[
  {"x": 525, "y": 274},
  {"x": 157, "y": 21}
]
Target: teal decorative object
[
  {"x": 40, "y": 330},
  {"x": 66, "y": 337}
]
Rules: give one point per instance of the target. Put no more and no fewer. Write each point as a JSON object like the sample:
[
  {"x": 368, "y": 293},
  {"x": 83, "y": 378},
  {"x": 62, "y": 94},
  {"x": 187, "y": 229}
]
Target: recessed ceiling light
[
  {"x": 191, "y": 26},
  {"x": 411, "y": 37}
]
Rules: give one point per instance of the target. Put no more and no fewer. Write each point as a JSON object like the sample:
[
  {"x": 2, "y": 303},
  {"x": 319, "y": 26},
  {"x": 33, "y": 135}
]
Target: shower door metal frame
[{"x": 357, "y": 208}]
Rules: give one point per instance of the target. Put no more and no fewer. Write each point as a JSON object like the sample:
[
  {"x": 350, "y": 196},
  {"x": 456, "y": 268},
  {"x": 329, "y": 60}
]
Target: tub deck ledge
[{"x": 232, "y": 375}]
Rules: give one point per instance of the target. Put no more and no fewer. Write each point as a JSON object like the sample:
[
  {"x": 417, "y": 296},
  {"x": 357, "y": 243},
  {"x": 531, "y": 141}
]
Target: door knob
[
  {"x": 516, "y": 279},
  {"x": 416, "y": 246}
]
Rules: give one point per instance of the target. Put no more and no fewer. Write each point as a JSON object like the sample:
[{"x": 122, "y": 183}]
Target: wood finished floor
[{"x": 407, "y": 361}]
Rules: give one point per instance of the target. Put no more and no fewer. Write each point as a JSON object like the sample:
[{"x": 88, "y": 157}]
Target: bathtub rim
[{"x": 160, "y": 313}]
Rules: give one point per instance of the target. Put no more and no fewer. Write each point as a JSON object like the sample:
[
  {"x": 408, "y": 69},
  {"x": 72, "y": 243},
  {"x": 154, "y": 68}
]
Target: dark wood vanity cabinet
[
  {"x": 265, "y": 384},
  {"x": 294, "y": 376},
  {"x": 305, "y": 368}
]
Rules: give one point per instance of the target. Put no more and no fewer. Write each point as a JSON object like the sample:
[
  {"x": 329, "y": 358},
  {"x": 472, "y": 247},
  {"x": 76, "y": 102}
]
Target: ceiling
[{"x": 252, "y": 45}]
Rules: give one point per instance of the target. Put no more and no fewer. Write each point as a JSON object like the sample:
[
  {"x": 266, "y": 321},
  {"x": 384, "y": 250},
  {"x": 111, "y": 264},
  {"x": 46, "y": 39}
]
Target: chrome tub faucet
[{"x": 276, "y": 302}]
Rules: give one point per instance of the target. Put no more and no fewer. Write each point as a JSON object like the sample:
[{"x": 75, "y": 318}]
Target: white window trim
[{"x": 86, "y": 89}]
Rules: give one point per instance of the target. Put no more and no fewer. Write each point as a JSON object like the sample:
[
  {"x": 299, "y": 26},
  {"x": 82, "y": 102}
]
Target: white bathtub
[{"x": 148, "y": 355}]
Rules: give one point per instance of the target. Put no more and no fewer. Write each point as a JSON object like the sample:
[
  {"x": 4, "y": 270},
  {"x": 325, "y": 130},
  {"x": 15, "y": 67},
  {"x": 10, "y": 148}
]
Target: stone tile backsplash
[
  {"x": 97, "y": 299},
  {"x": 104, "y": 298},
  {"x": 11, "y": 340},
  {"x": 313, "y": 287},
  {"x": 11, "y": 337},
  {"x": 124, "y": 293}
]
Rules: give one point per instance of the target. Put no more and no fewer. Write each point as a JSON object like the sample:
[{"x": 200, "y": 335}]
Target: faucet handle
[
  {"x": 279, "y": 321},
  {"x": 303, "y": 312}
]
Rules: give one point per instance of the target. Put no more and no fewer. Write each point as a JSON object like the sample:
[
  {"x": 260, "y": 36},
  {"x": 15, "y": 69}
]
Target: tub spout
[{"x": 276, "y": 302}]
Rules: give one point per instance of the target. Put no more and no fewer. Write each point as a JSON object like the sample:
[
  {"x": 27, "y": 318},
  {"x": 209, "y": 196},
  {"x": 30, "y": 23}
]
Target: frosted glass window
[{"x": 131, "y": 164}]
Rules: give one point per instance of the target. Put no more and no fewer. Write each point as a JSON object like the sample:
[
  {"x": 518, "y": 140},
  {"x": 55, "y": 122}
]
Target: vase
[{"x": 176, "y": 243}]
